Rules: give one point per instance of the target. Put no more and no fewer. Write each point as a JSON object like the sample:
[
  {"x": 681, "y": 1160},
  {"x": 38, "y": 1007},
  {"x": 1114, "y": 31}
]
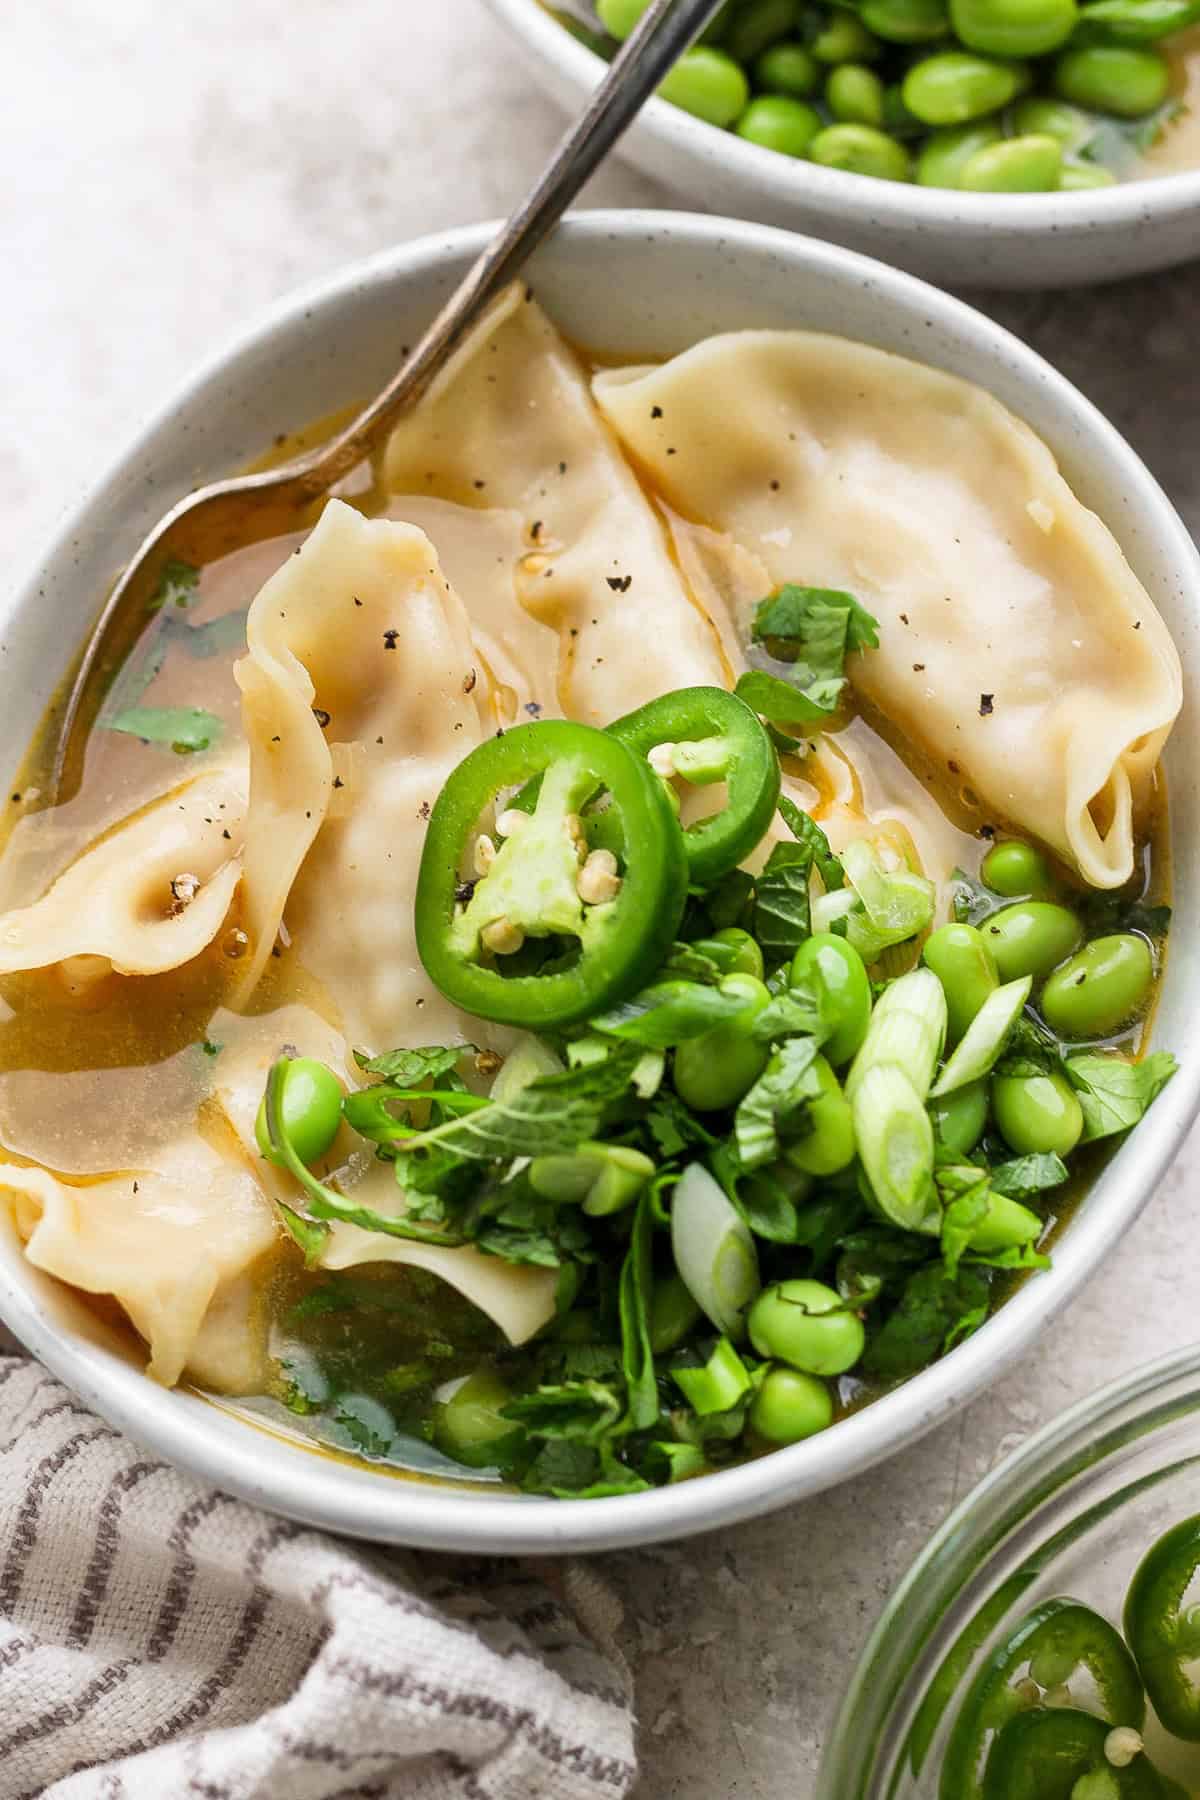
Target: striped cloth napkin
[{"x": 160, "y": 1639}]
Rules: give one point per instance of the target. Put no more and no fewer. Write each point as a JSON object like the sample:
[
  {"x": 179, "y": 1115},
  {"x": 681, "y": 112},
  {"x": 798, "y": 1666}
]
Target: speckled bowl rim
[
  {"x": 861, "y": 199},
  {"x": 358, "y": 1502}
]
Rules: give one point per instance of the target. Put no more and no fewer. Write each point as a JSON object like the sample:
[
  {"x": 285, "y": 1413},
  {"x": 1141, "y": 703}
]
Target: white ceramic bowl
[
  {"x": 636, "y": 284},
  {"x": 975, "y": 240}
]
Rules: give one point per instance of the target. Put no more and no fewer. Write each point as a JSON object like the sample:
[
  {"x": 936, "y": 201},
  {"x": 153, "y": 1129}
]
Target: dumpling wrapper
[
  {"x": 510, "y": 424},
  {"x": 172, "y": 1244},
  {"x": 117, "y": 901},
  {"x": 1015, "y": 641}
]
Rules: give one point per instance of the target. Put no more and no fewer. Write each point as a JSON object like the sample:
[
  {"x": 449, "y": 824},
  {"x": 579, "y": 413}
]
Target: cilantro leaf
[
  {"x": 553, "y": 1113},
  {"x": 781, "y": 1091},
  {"x": 782, "y": 919},
  {"x": 807, "y": 831},
  {"x": 408, "y": 1067},
  {"x": 177, "y": 585},
  {"x": 183, "y": 728},
  {"x": 1026, "y": 1175},
  {"x": 784, "y": 704},
  {"x": 673, "y": 1126},
  {"x": 1113, "y": 1093},
  {"x": 808, "y": 632}
]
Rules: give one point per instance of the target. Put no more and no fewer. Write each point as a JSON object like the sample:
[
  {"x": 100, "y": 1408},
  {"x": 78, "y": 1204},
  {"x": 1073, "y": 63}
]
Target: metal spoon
[{"x": 248, "y": 508}]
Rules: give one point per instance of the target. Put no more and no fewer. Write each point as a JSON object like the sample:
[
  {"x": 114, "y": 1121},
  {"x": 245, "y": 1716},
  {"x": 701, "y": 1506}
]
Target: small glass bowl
[{"x": 1071, "y": 1512}]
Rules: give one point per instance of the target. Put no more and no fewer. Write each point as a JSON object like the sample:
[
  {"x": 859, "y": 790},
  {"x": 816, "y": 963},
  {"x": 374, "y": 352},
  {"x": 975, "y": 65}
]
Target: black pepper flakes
[
  {"x": 228, "y": 836},
  {"x": 987, "y": 831},
  {"x": 277, "y": 739},
  {"x": 16, "y": 799},
  {"x": 774, "y": 487},
  {"x": 533, "y": 709},
  {"x": 391, "y": 638},
  {"x": 338, "y": 782},
  {"x": 986, "y": 705},
  {"x": 423, "y": 810},
  {"x": 535, "y": 530},
  {"x": 562, "y": 468},
  {"x": 321, "y": 716},
  {"x": 917, "y": 668},
  {"x": 464, "y": 891},
  {"x": 620, "y": 584},
  {"x": 670, "y": 449},
  {"x": 904, "y": 618},
  {"x": 952, "y": 766},
  {"x": 479, "y": 484},
  {"x": 469, "y": 681},
  {"x": 357, "y": 601},
  {"x": 656, "y": 412}
]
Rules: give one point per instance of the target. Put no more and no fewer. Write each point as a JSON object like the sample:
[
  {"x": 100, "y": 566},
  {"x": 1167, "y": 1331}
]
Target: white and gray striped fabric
[{"x": 160, "y": 1639}]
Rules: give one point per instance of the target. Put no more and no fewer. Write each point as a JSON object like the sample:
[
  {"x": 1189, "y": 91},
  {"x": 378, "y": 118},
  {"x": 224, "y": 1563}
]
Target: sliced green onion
[
  {"x": 908, "y": 1028},
  {"x": 648, "y": 1073},
  {"x": 714, "y": 1251},
  {"x": 896, "y": 904},
  {"x": 704, "y": 760},
  {"x": 828, "y": 908},
  {"x": 895, "y": 1143},
  {"x": 602, "y": 1178},
  {"x": 985, "y": 1037},
  {"x": 719, "y": 1385},
  {"x": 681, "y": 1461}
]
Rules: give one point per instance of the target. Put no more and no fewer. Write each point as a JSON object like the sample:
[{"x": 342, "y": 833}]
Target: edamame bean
[
  {"x": 807, "y": 1325},
  {"x": 707, "y": 84},
  {"x": 310, "y": 1107},
  {"x": 788, "y": 69},
  {"x": 619, "y": 17},
  {"x": 1078, "y": 177},
  {"x": 1101, "y": 988},
  {"x": 843, "y": 38},
  {"x": 1031, "y": 938},
  {"x": 945, "y": 154},
  {"x": 747, "y": 957},
  {"x": 846, "y": 982},
  {"x": 906, "y": 21},
  {"x": 829, "y": 1144},
  {"x": 673, "y": 1313},
  {"x": 1037, "y": 1113},
  {"x": 757, "y": 25},
  {"x": 715, "y": 1070},
  {"x": 1073, "y": 129},
  {"x": 960, "y": 958},
  {"x": 854, "y": 94},
  {"x": 777, "y": 122},
  {"x": 789, "y": 1407},
  {"x": 1113, "y": 78},
  {"x": 469, "y": 1427},
  {"x": 1013, "y": 27},
  {"x": 960, "y": 1118},
  {"x": 1014, "y": 868},
  {"x": 860, "y": 150},
  {"x": 956, "y": 85},
  {"x": 1019, "y": 165}
]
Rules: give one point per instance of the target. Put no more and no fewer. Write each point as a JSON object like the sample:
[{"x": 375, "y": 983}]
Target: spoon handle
[{"x": 664, "y": 31}]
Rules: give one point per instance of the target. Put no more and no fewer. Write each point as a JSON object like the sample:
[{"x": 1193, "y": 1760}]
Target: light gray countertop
[{"x": 168, "y": 171}]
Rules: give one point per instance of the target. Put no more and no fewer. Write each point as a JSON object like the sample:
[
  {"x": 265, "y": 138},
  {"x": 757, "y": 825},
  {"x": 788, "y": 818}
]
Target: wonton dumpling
[
  {"x": 510, "y": 423},
  {"x": 118, "y": 902},
  {"x": 1016, "y": 643},
  {"x": 167, "y": 1243},
  {"x": 361, "y": 688}
]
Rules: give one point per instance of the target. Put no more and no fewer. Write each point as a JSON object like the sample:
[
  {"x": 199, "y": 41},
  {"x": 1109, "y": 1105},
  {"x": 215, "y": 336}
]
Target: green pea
[
  {"x": 846, "y": 982},
  {"x": 1073, "y": 129},
  {"x": 789, "y": 1407},
  {"x": 906, "y": 21},
  {"x": 1031, "y": 938},
  {"x": 619, "y": 17},
  {"x": 807, "y": 1325},
  {"x": 778, "y": 123},
  {"x": 1079, "y": 177},
  {"x": 828, "y": 1146},
  {"x": 956, "y": 85},
  {"x": 747, "y": 957},
  {"x": 1037, "y": 1114},
  {"x": 1101, "y": 988},
  {"x": 1013, "y": 27},
  {"x": 960, "y": 1118},
  {"x": 1019, "y": 165},
  {"x": 310, "y": 1106},
  {"x": 788, "y": 69},
  {"x": 860, "y": 150},
  {"x": 1015, "y": 869},
  {"x": 469, "y": 1427},
  {"x": 673, "y": 1313},
  {"x": 945, "y": 153},
  {"x": 715, "y": 1070},
  {"x": 843, "y": 38},
  {"x": 966, "y": 968},
  {"x": 854, "y": 94},
  {"x": 1112, "y": 78},
  {"x": 758, "y": 24},
  {"x": 708, "y": 84}
]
